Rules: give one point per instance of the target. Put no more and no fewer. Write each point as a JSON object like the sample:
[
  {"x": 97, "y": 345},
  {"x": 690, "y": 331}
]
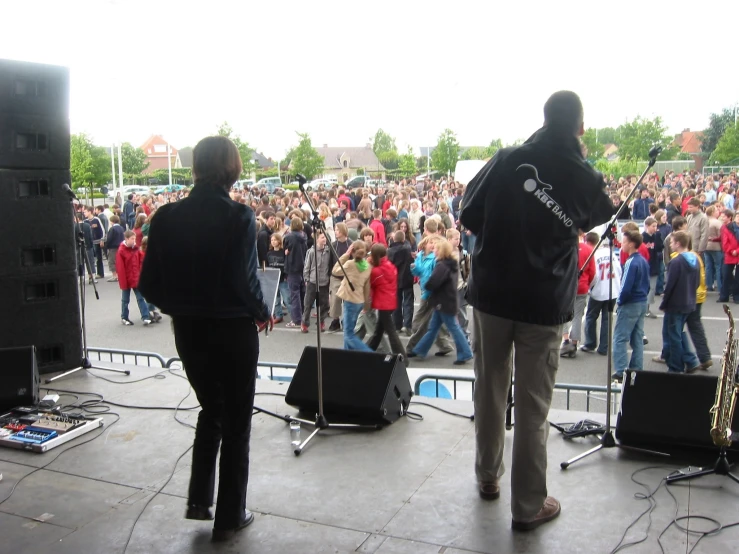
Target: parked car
[
  {"x": 356, "y": 182},
  {"x": 270, "y": 183},
  {"x": 243, "y": 184},
  {"x": 128, "y": 189},
  {"x": 168, "y": 188}
]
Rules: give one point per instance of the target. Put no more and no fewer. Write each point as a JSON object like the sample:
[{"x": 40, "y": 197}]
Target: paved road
[{"x": 286, "y": 345}]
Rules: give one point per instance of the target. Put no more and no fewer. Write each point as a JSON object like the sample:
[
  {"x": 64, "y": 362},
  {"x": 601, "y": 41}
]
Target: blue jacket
[
  {"x": 683, "y": 278},
  {"x": 641, "y": 208},
  {"x": 635, "y": 280},
  {"x": 423, "y": 269}
]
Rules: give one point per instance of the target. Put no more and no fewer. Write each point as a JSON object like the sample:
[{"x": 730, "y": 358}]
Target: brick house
[
  {"x": 691, "y": 142},
  {"x": 156, "y": 150}
]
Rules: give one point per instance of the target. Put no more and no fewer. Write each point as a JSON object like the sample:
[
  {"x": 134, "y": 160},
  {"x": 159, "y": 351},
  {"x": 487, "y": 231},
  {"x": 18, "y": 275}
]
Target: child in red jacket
[
  {"x": 384, "y": 286},
  {"x": 569, "y": 346},
  {"x": 128, "y": 263}
]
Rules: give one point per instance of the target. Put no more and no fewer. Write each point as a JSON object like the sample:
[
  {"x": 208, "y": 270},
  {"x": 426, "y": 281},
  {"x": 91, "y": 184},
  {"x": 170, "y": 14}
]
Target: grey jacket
[
  {"x": 324, "y": 266},
  {"x": 698, "y": 229}
]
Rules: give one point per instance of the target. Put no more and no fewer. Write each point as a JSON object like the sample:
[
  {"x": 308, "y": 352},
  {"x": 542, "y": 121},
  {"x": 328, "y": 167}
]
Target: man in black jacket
[
  {"x": 525, "y": 207},
  {"x": 264, "y": 235},
  {"x": 201, "y": 269}
]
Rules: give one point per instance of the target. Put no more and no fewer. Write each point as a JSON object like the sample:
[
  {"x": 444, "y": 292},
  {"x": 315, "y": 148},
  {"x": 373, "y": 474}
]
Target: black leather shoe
[
  {"x": 443, "y": 352},
  {"x": 222, "y": 535},
  {"x": 200, "y": 513}
]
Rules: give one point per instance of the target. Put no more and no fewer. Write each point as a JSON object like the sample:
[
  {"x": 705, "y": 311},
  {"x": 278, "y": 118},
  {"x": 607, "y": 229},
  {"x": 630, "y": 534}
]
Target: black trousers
[
  {"x": 385, "y": 324},
  {"x": 220, "y": 358}
]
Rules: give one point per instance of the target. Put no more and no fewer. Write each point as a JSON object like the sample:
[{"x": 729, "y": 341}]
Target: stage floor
[{"x": 409, "y": 488}]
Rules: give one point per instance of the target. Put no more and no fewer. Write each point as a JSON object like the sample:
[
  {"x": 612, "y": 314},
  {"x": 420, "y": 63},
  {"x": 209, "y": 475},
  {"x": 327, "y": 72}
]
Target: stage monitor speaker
[
  {"x": 43, "y": 310},
  {"x": 358, "y": 387},
  {"x": 34, "y": 89},
  {"x": 667, "y": 409},
  {"x": 34, "y": 142},
  {"x": 20, "y": 377}
]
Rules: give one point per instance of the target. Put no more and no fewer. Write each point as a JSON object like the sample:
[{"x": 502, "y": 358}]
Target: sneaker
[
  {"x": 650, "y": 315},
  {"x": 90, "y": 281},
  {"x": 292, "y": 325},
  {"x": 568, "y": 350},
  {"x": 646, "y": 341},
  {"x": 146, "y": 321},
  {"x": 587, "y": 349},
  {"x": 461, "y": 362},
  {"x": 705, "y": 365},
  {"x": 126, "y": 321},
  {"x": 659, "y": 360},
  {"x": 156, "y": 317},
  {"x": 441, "y": 353},
  {"x": 303, "y": 328},
  {"x": 323, "y": 327},
  {"x": 112, "y": 279},
  {"x": 335, "y": 326},
  {"x": 408, "y": 331},
  {"x": 549, "y": 511},
  {"x": 618, "y": 377}
]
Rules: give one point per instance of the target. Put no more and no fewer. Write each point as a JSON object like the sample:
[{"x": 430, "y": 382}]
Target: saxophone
[{"x": 727, "y": 388}]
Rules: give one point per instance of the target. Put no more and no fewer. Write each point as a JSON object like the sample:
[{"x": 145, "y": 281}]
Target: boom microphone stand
[
  {"x": 606, "y": 439},
  {"x": 321, "y": 423},
  {"x": 84, "y": 260}
]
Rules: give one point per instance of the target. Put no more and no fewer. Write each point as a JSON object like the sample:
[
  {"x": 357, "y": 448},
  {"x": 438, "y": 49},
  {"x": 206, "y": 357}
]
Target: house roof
[
  {"x": 185, "y": 156},
  {"x": 149, "y": 145},
  {"x": 263, "y": 161},
  {"x": 359, "y": 156},
  {"x": 689, "y": 141}
]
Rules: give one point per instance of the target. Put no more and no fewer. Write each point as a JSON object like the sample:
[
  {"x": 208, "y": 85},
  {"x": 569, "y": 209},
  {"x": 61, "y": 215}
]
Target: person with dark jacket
[
  {"x": 263, "y": 236},
  {"x": 400, "y": 256},
  {"x": 443, "y": 286},
  {"x": 84, "y": 227},
  {"x": 641, "y": 205},
  {"x": 632, "y": 306},
  {"x": 678, "y": 301},
  {"x": 296, "y": 247},
  {"x": 652, "y": 239},
  {"x": 112, "y": 243},
  {"x": 384, "y": 287},
  {"x": 201, "y": 269},
  {"x": 129, "y": 213},
  {"x": 535, "y": 196},
  {"x": 674, "y": 207}
]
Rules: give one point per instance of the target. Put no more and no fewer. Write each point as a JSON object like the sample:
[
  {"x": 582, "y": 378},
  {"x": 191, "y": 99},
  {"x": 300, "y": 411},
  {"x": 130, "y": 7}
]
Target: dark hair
[
  {"x": 634, "y": 237},
  {"x": 729, "y": 213},
  {"x": 378, "y": 251},
  {"x": 678, "y": 222},
  {"x": 399, "y": 236},
  {"x": 592, "y": 238},
  {"x": 216, "y": 161},
  {"x": 694, "y": 202},
  {"x": 564, "y": 110},
  {"x": 266, "y": 214}
]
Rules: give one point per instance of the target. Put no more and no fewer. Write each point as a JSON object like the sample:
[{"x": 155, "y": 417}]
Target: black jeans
[
  {"x": 698, "y": 334},
  {"x": 403, "y": 315},
  {"x": 311, "y": 292},
  {"x": 97, "y": 249},
  {"x": 385, "y": 325},
  {"x": 220, "y": 358},
  {"x": 730, "y": 284}
]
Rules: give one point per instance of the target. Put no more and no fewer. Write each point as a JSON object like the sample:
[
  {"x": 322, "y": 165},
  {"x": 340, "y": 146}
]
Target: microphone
[
  {"x": 301, "y": 179},
  {"x": 655, "y": 151},
  {"x": 69, "y": 191}
]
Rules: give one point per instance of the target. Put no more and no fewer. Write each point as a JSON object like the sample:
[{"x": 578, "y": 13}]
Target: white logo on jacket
[{"x": 541, "y": 191}]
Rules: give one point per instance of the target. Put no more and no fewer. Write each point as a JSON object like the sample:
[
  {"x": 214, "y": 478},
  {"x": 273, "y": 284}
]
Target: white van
[{"x": 270, "y": 183}]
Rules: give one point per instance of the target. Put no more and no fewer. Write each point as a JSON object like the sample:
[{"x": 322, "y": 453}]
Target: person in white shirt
[{"x": 607, "y": 275}]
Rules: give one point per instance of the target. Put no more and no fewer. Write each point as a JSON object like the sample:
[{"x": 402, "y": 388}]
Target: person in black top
[
  {"x": 263, "y": 236},
  {"x": 525, "y": 207},
  {"x": 201, "y": 269},
  {"x": 399, "y": 253}
]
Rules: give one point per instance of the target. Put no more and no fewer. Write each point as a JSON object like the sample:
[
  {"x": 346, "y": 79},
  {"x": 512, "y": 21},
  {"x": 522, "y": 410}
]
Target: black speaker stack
[{"x": 38, "y": 268}]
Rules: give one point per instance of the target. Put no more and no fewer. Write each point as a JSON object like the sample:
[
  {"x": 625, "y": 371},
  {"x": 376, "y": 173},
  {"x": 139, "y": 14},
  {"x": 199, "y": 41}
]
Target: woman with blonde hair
[
  {"x": 443, "y": 287},
  {"x": 324, "y": 214}
]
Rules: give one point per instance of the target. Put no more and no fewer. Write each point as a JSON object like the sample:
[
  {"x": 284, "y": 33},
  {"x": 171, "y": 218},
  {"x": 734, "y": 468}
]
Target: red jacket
[
  {"x": 128, "y": 262},
  {"x": 583, "y": 284},
  {"x": 729, "y": 244},
  {"x": 643, "y": 250},
  {"x": 139, "y": 235},
  {"x": 384, "y": 283},
  {"x": 379, "y": 229}
]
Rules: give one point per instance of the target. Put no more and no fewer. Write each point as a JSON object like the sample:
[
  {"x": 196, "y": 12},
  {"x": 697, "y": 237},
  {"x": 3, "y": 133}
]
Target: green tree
[
  {"x": 407, "y": 164},
  {"x": 719, "y": 123},
  {"x": 383, "y": 142},
  {"x": 446, "y": 154},
  {"x": 80, "y": 163},
  {"x": 390, "y": 159},
  {"x": 607, "y": 135},
  {"x": 475, "y": 153},
  {"x": 306, "y": 159},
  {"x": 727, "y": 149},
  {"x": 617, "y": 168},
  {"x": 134, "y": 159},
  {"x": 638, "y": 137},
  {"x": 595, "y": 148},
  {"x": 245, "y": 151}
]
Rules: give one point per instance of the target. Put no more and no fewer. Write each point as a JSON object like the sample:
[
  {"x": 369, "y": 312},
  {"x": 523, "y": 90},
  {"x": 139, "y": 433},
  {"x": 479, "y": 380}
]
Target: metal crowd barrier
[
  {"x": 279, "y": 371},
  {"x": 589, "y": 391}
]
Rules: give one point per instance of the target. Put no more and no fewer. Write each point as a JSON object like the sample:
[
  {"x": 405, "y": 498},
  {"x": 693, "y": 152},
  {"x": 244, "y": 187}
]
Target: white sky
[{"x": 339, "y": 70}]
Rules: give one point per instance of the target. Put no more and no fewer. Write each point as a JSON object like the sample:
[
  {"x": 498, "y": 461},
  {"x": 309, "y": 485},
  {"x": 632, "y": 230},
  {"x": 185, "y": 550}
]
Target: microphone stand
[
  {"x": 84, "y": 260},
  {"x": 321, "y": 423},
  {"x": 607, "y": 439}
]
